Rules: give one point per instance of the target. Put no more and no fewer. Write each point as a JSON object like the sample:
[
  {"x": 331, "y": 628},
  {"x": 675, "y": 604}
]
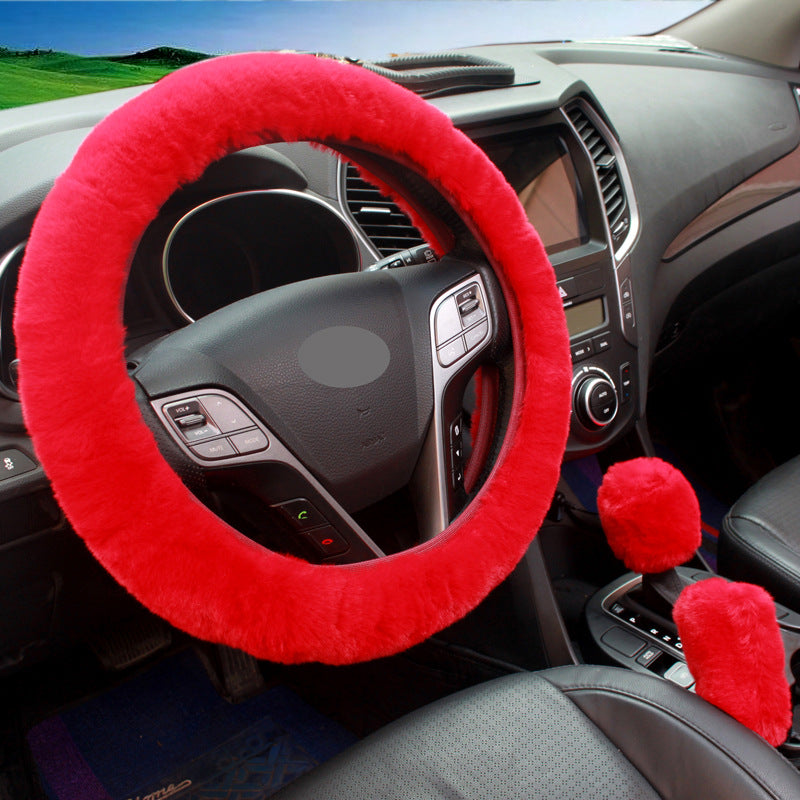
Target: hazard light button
[{"x": 567, "y": 289}]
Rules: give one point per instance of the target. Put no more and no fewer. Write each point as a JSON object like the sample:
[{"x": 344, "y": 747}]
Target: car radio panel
[
  {"x": 565, "y": 192},
  {"x": 602, "y": 344}
]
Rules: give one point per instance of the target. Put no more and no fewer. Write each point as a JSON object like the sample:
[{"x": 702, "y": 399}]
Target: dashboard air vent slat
[
  {"x": 605, "y": 165},
  {"x": 383, "y": 223}
]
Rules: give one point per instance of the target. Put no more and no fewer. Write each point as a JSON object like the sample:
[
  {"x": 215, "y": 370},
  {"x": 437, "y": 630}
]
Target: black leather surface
[
  {"x": 760, "y": 537},
  {"x": 685, "y": 747},
  {"x": 569, "y": 733},
  {"x": 362, "y": 442}
]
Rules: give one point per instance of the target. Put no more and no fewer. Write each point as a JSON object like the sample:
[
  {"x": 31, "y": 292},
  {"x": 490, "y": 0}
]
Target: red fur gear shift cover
[{"x": 734, "y": 650}]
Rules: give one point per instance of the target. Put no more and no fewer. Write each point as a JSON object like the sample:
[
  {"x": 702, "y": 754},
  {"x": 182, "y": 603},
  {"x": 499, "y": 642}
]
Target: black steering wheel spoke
[
  {"x": 465, "y": 324},
  {"x": 290, "y": 510}
]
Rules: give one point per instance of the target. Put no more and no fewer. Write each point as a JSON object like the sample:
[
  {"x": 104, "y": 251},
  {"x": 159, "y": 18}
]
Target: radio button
[
  {"x": 582, "y": 350},
  {"x": 602, "y": 343}
]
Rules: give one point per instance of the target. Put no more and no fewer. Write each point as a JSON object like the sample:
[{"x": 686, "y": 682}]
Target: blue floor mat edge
[{"x": 167, "y": 733}]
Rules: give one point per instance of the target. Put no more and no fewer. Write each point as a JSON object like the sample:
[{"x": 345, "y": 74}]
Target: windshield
[{"x": 50, "y": 50}]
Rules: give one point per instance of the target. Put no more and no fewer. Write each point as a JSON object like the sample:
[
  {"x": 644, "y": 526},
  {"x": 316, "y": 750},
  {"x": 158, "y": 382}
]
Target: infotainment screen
[
  {"x": 585, "y": 317},
  {"x": 540, "y": 169}
]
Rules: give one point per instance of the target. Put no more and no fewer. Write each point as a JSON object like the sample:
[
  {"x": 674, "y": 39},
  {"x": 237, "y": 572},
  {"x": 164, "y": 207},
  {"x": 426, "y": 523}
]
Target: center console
[
  {"x": 569, "y": 174},
  {"x": 627, "y": 631}
]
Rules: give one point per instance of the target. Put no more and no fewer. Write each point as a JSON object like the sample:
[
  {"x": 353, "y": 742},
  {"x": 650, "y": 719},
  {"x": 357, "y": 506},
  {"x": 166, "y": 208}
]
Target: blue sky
[{"x": 364, "y": 28}]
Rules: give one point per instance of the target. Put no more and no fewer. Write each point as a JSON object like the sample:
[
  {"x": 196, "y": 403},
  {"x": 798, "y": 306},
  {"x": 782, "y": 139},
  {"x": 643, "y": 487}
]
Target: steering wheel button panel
[
  {"x": 451, "y": 352},
  {"x": 212, "y": 451},
  {"x": 225, "y": 414},
  {"x": 474, "y": 336},
  {"x": 257, "y": 445},
  {"x": 250, "y": 441},
  {"x": 448, "y": 321},
  {"x": 453, "y": 365}
]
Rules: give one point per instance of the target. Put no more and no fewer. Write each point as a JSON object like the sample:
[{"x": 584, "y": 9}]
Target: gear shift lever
[
  {"x": 731, "y": 639},
  {"x": 651, "y": 519}
]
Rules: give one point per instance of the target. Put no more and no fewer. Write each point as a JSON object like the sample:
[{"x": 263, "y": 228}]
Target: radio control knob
[{"x": 595, "y": 402}]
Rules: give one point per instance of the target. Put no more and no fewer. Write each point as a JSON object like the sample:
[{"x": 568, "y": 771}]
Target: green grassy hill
[{"x": 34, "y": 76}]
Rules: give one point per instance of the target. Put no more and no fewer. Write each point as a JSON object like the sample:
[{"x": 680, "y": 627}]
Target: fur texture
[
  {"x": 734, "y": 650},
  {"x": 650, "y": 514},
  {"x": 134, "y": 513}
]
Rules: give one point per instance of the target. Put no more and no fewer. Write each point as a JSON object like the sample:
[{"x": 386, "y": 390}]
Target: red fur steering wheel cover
[{"x": 131, "y": 509}]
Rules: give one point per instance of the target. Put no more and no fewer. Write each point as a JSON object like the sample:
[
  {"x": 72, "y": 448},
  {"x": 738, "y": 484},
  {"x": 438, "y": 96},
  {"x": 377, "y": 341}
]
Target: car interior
[{"x": 324, "y": 520}]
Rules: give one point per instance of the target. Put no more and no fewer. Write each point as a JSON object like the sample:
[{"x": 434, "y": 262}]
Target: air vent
[
  {"x": 608, "y": 175},
  {"x": 383, "y": 223}
]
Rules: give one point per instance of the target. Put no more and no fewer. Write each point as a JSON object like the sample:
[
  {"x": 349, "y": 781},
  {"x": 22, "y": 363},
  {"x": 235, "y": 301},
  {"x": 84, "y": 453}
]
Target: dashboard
[{"x": 642, "y": 170}]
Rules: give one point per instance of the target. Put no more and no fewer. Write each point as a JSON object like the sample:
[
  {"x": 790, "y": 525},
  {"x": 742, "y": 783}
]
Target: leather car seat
[
  {"x": 570, "y": 732},
  {"x": 760, "y": 537}
]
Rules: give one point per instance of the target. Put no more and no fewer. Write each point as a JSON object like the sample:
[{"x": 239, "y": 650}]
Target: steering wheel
[{"x": 333, "y": 392}]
